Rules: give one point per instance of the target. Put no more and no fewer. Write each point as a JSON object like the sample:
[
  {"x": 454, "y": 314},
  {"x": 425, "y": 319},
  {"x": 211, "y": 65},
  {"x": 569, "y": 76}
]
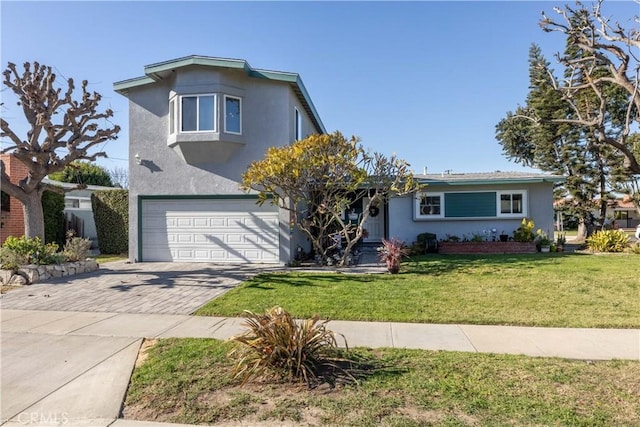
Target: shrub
[
  {"x": 111, "y": 214},
  {"x": 635, "y": 248},
  {"x": 391, "y": 253},
  {"x": 525, "y": 233},
  {"x": 53, "y": 209},
  {"x": 275, "y": 345},
  {"x": 608, "y": 241},
  {"x": 11, "y": 260},
  {"x": 76, "y": 248},
  {"x": 542, "y": 238},
  {"x": 32, "y": 250}
]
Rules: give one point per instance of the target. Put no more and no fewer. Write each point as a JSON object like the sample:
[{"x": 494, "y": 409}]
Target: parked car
[{"x": 638, "y": 232}]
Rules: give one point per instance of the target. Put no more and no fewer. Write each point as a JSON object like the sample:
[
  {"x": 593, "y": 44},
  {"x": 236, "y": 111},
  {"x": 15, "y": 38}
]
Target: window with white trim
[
  {"x": 430, "y": 205},
  {"x": 512, "y": 203},
  {"x": 232, "y": 115},
  {"x": 298, "y": 125},
  {"x": 198, "y": 113}
]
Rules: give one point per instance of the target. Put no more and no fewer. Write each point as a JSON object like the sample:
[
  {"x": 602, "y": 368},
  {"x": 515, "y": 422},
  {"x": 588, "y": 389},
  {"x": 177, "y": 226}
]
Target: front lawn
[
  {"x": 189, "y": 381},
  {"x": 562, "y": 290}
]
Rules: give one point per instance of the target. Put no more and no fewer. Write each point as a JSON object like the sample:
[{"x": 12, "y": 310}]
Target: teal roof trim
[
  {"x": 494, "y": 181},
  {"x": 153, "y": 74}
]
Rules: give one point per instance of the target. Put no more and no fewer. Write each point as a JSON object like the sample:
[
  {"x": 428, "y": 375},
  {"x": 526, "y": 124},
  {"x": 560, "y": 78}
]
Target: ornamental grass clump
[
  {"x": 608, "y": 241},
  {"x": 276, "y": 346},
  {"x": 391, "y": 253}
]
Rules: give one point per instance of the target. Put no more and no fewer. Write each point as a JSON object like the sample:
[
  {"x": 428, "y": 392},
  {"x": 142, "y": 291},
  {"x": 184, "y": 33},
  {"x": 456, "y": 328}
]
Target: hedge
[
  {"x": 53, "y": 210},
  {"x": 111, "y": 214}
]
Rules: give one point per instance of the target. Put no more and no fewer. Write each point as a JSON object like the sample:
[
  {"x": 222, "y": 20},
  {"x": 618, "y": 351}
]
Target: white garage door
[{"x": 209, "y": 230}]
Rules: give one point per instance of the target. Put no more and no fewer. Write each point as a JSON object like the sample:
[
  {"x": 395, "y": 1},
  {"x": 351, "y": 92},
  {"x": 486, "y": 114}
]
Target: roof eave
[
  {"x": 554, "y": 180},
  {"x": 153, "y": 73}
]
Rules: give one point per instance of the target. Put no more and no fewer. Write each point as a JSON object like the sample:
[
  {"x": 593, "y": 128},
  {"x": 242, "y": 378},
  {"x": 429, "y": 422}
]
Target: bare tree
[
  {"x": 119, "y": 177},
  {"x": 605, "y": 46},
  {"x": 61, "y": 129}
]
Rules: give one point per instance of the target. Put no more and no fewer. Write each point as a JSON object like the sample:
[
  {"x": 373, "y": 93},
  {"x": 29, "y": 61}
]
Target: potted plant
[
  {"x": 561, "y": 240},
  {"x": 504, "y": 237},
  {"x": 543, "y": 241},
  {"x": 391, "y": 253}
]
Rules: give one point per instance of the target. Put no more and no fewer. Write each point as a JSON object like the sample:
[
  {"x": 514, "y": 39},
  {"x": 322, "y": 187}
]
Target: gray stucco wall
[
  {"x": 403, "y": 226},
  {"x": 267, "y": 120}
]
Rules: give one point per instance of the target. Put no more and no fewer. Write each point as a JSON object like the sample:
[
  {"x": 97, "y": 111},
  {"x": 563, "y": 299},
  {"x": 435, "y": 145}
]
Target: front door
[{"x": 374, "y": 224}]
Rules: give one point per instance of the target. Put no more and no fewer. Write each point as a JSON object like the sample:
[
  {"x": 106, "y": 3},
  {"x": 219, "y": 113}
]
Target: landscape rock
[{"x": 28, "y": 274}]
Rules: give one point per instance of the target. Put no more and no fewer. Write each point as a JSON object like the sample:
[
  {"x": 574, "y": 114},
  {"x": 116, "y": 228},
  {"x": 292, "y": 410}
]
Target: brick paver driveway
[{"x": 119, "y": 287}]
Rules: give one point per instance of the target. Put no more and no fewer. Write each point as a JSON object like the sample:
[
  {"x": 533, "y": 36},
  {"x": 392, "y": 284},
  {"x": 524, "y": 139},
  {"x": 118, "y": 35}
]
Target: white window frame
[
  {"x": 297, "y": 124},
  {"x": 225, "y": 113},
  {"x": 525, "y": 204},
  {"x": 172, "y": 114},
  {"x": 418, "y": 214},
  {"x": 198, "y": 96}
]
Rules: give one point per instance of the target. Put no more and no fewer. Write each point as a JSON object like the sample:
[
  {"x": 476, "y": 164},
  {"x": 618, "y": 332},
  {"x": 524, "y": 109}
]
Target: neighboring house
[
  {"x": 624, "y": 213},
  {"x": 77, "y": 209},
  {"x": 473, "y": 203},
  {"x": 196, "y": 123},
  {"x": 11, "y": 212},
  {"x": 621, "y": 212}
]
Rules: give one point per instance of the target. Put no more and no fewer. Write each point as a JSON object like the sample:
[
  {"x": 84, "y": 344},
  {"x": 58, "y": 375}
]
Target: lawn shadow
[
  {"x": 436, "y": 264},
  {"x": 353, "y": 367},
  {"x": 269, "y": 281}
]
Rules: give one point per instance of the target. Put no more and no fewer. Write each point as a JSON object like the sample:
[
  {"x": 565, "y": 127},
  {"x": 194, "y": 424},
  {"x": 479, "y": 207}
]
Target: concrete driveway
[
  {"x": 57, "y": 370},
  {"x": 120, "y": 287}
]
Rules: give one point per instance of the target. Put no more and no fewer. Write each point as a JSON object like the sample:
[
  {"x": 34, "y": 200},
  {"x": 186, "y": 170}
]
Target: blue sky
[{"x": 425, "y": 80}]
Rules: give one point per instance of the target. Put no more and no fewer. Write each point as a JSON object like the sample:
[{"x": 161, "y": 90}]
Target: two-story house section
[{"x": 195, "y": 125}]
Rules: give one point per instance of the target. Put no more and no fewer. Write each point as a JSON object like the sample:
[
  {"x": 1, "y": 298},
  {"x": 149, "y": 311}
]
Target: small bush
[
  {"x": 33, "y": 250},
  {"x": 11, "y": 260},
  {"x": 275, "y": 345},
  {"x": 635, "y": 248},
  {"x": 608, "y": 241},
  {"x": 525, "y": 233},
  {"x": 76, "y": 248}
]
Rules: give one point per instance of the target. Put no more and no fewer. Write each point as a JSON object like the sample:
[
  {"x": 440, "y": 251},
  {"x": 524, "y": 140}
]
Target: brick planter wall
[{"x": 451, "y": 248}]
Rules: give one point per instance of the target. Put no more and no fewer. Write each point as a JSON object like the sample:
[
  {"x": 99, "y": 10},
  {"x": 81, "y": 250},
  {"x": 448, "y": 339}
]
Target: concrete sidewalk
[{"x": 73, "y": 368}]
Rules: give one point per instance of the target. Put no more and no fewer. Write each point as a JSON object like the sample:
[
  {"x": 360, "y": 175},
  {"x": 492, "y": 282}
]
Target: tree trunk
[
  {"x": 582, "y": 231},
  {"x": 33, "y": 215}
]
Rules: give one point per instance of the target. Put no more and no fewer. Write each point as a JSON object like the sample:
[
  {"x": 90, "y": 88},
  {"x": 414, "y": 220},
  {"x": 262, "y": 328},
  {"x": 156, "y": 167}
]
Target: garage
[{"x": 218, "y": 230}]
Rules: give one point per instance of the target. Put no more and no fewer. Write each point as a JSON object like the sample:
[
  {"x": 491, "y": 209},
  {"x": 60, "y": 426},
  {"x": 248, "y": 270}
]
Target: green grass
[
  {"x": 189, "y": 381},
  {"x": 101, "y": 259},
  {"x": 562, "y": 290}
]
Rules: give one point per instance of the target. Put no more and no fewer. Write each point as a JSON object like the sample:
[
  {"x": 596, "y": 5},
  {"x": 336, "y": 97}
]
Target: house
[
  {"x": 621, "y": 212},
  {"x": 11, "y": 212},
  {"x": 467, "y": 204},
  {"x": 196, "y": 123},
  {"x": 624, "y": 212},
  {"x": 78, "y": 211}
]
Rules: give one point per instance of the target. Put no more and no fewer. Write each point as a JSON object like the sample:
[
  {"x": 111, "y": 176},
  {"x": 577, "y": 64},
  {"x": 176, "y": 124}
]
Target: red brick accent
[
  {"x": 13, "y": 221},
  {"x": 450, "y": 248}
]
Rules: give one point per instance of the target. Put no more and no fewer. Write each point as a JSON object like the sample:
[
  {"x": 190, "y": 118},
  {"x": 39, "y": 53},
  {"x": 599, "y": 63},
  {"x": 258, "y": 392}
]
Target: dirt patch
[{"x": 143, "y": 353}]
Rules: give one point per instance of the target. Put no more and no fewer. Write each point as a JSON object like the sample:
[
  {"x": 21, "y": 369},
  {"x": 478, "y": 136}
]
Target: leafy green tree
[
  {"x": 83, "y": 173},
  {"x": 319, "y": 177},
  {"x": 601, "y": 60},
  {"x": 61, "y": 129},
  {"x": 579, "y": 125}
]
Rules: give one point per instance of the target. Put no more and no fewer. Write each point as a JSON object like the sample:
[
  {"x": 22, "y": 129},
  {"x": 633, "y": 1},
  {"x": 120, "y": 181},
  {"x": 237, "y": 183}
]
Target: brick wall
[
  {"x": 451, "y": 248},
  {"x": 13, "y": 220}
]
